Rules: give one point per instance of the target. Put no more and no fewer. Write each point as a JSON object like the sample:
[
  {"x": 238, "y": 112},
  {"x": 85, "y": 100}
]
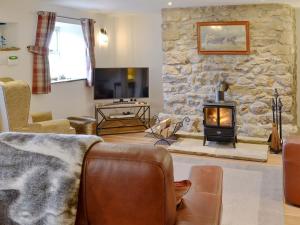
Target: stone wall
[{"x": 189, "y": 78}]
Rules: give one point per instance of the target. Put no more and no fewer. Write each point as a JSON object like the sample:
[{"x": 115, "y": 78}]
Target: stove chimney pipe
[{"x": 220, "y": 92}]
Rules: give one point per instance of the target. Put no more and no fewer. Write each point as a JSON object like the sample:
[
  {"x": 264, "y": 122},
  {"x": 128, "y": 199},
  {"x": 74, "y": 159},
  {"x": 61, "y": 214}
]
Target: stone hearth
[
  {"x": 189, "y": 79},
  {"x": 243, "y": 151}
]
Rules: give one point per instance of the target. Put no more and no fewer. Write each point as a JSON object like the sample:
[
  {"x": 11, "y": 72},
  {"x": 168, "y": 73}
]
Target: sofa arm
[
  {"x": 291, "y": 170},
  {"x": 203, "y": 203},
  {"x": 128, "y": 185}
]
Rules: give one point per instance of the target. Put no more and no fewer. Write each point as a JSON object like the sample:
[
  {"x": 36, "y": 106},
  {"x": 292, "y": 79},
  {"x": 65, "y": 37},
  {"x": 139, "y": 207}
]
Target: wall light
[{"x": 103, "y": 38}]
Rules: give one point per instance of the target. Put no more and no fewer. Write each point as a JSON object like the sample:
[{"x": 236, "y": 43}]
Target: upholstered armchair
[{"x": 15, "y": 98}]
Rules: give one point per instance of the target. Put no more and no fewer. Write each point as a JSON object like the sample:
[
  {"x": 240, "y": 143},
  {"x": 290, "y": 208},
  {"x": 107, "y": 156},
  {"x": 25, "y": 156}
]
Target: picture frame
[{"x": 223, "y": 38}]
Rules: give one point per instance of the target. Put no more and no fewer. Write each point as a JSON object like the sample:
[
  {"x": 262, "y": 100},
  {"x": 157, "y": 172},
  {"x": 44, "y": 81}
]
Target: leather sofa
[
  {"x": 133, "y": 185},
  {"x": 291, "y": 170}
]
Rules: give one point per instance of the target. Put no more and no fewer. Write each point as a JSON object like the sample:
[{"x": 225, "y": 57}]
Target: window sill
[{"x": 66, "y": 81}]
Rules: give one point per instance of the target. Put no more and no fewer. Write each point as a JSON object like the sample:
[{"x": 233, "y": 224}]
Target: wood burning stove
[{"x": 220, "y": 122}]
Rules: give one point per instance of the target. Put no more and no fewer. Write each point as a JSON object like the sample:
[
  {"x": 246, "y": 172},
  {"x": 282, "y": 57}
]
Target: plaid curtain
[
  {"x": 41, "y": 80},
  {"x": 89, "y": 38}
]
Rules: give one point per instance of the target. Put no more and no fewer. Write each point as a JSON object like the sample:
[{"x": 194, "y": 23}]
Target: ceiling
[{"x": 133, "y": 6}]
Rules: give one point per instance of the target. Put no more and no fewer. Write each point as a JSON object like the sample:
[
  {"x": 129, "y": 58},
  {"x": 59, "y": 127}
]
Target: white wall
[{"x": 138, "y": 44}]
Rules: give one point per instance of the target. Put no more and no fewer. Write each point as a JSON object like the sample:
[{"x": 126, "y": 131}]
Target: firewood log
[
  {"x": 165, "y": 133},
  {"x": 165, "y": 123}
]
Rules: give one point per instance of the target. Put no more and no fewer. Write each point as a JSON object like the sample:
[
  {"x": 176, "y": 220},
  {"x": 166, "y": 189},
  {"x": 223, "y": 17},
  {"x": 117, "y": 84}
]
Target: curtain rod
[
  {"x": 71, "y": 18},
  {"x": 66, "y": 17}
]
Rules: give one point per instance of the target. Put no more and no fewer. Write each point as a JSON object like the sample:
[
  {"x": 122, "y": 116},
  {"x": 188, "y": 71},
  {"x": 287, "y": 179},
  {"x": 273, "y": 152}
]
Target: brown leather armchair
[
  {"x": 291, "y": 170},
  {"x": 133, "y": 185}
]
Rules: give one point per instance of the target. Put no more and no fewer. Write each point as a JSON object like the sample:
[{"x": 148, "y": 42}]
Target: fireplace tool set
[{"x": 275, "y": 139}]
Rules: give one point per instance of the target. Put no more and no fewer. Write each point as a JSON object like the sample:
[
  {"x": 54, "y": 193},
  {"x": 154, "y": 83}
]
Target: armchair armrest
[
  {"x": 60, "y": 122},
  {"x": 41, "y": 116},
  {"x": 61, "y": 126},
  {"x": 35, "y": 128},
  {"x": 58, "y": 128},
  {"x": 128, "y": 185}
]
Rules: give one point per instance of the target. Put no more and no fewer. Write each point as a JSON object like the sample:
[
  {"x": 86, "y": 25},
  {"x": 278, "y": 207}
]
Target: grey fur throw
[{"x": 40, "y": 177}]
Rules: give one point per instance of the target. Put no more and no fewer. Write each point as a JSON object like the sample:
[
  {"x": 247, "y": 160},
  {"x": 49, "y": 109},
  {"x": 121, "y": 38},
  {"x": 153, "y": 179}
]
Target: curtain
[
  {"x": 41, "y": 80},
  {"x": 89, "y": 38}
]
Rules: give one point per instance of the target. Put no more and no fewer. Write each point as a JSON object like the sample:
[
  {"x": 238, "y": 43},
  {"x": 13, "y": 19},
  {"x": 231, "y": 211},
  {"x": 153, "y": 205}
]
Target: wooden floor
[{"x": 292, "y": 214}]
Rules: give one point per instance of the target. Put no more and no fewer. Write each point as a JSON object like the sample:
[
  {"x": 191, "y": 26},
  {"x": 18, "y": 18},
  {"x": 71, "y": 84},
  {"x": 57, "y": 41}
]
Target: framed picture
[{"x": 220, "y": 38}]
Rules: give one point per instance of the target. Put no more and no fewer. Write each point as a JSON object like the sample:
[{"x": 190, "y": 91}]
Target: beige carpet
[{"x": 243, "y": 151}]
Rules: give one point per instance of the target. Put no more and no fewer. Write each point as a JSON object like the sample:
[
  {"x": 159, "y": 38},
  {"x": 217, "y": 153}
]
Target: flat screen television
[{"x": 120, "y": 83}]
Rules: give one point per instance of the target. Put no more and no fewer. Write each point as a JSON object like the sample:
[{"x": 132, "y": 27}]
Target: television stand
[{"x": 122, "y": 123}]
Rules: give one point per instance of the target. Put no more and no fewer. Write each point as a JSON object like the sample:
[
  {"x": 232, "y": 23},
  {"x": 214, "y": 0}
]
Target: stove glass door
[
  {"x": 211, "y": 116},
  {"x": 225, "y": 117}
]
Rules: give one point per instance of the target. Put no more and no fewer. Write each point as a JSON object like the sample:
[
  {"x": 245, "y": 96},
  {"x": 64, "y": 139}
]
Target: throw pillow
[{"x": 181, "y": 188}]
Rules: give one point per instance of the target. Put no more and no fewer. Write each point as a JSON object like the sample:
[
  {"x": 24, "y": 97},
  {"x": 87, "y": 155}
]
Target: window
[{"x": 67, "y": 53}]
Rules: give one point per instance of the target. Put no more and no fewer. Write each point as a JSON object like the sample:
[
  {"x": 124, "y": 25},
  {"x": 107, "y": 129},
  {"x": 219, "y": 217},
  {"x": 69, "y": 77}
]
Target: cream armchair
[{"x": 14, "y": 109}]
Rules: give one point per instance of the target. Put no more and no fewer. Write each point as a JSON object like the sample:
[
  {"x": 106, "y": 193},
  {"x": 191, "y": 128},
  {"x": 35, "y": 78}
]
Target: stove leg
[
  {"x": 204, "y": 140},
  {"x": 234, "y": 141}
]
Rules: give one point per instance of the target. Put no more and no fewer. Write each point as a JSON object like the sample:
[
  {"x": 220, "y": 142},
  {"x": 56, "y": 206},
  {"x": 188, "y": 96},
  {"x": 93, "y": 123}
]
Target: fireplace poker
[
  {"x": 273, "y": 109},
  {"x": 280, "y": 118},
  {"x": 276, "y": 106}
]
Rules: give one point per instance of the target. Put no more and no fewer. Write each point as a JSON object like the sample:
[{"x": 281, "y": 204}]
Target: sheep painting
[{"x": 219, "y": 38}]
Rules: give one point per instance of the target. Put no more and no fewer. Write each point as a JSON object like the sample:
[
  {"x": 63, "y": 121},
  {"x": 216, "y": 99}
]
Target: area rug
[
  {"x": 243, "y": 151},
  {"x": 252, "y": 192}
]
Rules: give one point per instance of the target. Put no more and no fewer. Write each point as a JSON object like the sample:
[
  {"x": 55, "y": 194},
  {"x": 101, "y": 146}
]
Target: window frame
[{"x": 68, "y": 21}]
